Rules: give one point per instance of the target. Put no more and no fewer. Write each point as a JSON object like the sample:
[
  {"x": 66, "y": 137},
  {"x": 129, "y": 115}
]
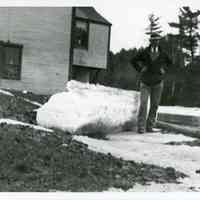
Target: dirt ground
[{"x": 36, "y": 160}]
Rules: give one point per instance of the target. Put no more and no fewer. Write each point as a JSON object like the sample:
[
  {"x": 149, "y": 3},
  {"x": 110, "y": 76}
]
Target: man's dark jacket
[{"x": 155, "y": 69}]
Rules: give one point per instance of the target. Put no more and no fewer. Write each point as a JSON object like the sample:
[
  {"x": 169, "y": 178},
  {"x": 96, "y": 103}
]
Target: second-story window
[{"x": 81, "y": 34}]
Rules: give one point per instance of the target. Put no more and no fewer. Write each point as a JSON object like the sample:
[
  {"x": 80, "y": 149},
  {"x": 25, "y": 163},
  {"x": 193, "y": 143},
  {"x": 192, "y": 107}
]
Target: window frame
[
  {"x": 4, "y": 64},
  {"x": 77, "y": 19}
]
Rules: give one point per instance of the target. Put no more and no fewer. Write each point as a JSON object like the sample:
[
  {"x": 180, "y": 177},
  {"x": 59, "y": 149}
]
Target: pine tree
[
  {"x": 188, "y": 35},
  {"x": 154, "y": 29},
  {"x": 188, "y": 38}
]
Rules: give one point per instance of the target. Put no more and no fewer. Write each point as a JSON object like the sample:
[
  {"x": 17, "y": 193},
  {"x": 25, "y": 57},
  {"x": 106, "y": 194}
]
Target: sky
[{"x": 129, "y": 18}]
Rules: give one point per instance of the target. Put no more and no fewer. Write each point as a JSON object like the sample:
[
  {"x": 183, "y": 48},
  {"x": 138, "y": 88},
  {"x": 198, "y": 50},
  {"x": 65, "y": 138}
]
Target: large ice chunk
[{"x": 87, "y": 108}]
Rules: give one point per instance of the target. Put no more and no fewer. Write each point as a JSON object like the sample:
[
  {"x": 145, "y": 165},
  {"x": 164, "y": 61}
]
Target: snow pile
[
  {"x": 87, "y": 108},
  {"x": 152, "y": 148},
  {"x": 32, "y": 102},
  {"x": 6, "y": 92},
  {"x": 15, "y": 122},
  {"x": 179, "y": 110}
]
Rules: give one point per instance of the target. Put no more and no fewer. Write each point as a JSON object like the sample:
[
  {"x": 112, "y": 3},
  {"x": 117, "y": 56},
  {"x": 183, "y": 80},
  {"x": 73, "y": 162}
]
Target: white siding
[{"x": 45, "y": 36}]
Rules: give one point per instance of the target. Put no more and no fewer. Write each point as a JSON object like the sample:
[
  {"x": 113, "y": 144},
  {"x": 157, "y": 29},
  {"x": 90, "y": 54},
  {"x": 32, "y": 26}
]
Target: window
[
  {"x": 81, "y": 34},
  {"x": 10, "y": 60}
]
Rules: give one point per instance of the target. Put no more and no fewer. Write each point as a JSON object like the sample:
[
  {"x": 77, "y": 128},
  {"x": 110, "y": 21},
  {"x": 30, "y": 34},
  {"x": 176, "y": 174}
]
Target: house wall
[
  {"x": 96, "y": 55},
  {"x": 45, "y": 36}
]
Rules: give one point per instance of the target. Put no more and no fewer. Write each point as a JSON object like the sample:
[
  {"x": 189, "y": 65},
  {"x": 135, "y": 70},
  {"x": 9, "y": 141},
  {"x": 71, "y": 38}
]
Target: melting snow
[
  {"x": 106, "y": 108},
  {"x": 150, "y": 148},
  {"x": 179, "y": 110},
  {"x": 87, "y": 104},
  {"x": 84, "y": 104},
  {"x": 15, "y": 122},
  {"x": 25, "y": 99},
  {"x": 6, "y": 92},
  {"x": 33, "y": 102}
]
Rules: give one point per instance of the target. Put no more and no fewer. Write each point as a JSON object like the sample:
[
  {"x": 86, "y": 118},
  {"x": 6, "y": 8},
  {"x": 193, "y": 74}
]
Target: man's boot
[{"x": 152, "y": 130}]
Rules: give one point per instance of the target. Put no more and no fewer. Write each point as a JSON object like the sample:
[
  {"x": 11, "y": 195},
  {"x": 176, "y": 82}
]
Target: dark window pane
[
  {"x": 11, "y": 72},
  {"x": 81, "y": 24},
  {"x": 12, "y": 55},
  {"x": 11, "y": 61},
  {"x": 81, "y": 34}
]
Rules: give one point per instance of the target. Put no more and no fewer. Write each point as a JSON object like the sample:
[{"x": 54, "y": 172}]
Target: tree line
[{"x": 182, "y": 83}]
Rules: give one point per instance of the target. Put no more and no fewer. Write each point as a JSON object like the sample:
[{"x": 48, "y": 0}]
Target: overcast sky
[{"x": 130, "y": 18}]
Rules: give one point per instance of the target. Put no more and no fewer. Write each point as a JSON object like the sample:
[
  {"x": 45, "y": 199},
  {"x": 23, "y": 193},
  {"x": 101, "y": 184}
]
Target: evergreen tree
[
  {"x": 174, "y": 81},
  {"x": 154, "y": 29},
  {"x": 188, "y": 35},
  {"x": 188, "y": 38}
]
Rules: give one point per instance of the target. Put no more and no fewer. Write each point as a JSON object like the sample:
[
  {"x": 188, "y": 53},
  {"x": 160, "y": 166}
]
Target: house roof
[{"x": 91, "y": 14}]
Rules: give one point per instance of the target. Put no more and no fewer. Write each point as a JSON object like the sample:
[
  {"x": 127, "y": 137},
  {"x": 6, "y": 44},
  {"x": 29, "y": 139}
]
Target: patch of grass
[
  {"x": 189, "y": 143},
  {"x": 40, "y": 98},
  {"x": 17, "y": 109},
  {"x": 34, "y": 160},
  {"x": 95, "y": 130},
  {"x": 129, "y": 125}
]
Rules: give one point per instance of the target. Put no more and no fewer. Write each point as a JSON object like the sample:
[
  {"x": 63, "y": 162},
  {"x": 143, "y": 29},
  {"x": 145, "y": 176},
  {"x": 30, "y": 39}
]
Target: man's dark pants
[{"x": 154, "y": 92}]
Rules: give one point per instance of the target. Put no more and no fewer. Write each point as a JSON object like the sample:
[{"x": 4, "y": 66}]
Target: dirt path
[{"x": 152, "y": 149}]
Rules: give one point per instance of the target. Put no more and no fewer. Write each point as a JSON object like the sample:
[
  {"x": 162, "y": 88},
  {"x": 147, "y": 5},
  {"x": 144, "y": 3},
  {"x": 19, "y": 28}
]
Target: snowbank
[
  {"x": 180, "y": 110},
  {"x": 152, "y": 148},
  {"x": 180, "y": 115},
  {"x": 15, "y": 122},
  {"x": 87, "y": 108},
  {"x": 6, "y": 92}
]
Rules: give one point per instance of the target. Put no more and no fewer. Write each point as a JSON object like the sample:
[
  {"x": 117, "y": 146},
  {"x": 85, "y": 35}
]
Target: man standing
[{"x": 150, "y": 63}]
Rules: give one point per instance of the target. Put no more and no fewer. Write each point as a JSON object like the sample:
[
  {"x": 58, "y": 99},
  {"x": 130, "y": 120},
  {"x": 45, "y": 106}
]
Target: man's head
[
  {"x": 154, "y": 45},
  {"x": 154, "y": 39}
]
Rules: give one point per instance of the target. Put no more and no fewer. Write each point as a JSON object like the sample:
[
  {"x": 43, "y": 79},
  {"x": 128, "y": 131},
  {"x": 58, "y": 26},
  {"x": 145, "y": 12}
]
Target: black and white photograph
[{"x": 100, "y": 98}]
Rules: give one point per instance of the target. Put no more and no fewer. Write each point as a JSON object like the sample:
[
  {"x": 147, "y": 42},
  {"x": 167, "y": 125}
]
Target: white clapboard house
[{"x": 41, "y": 48}]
